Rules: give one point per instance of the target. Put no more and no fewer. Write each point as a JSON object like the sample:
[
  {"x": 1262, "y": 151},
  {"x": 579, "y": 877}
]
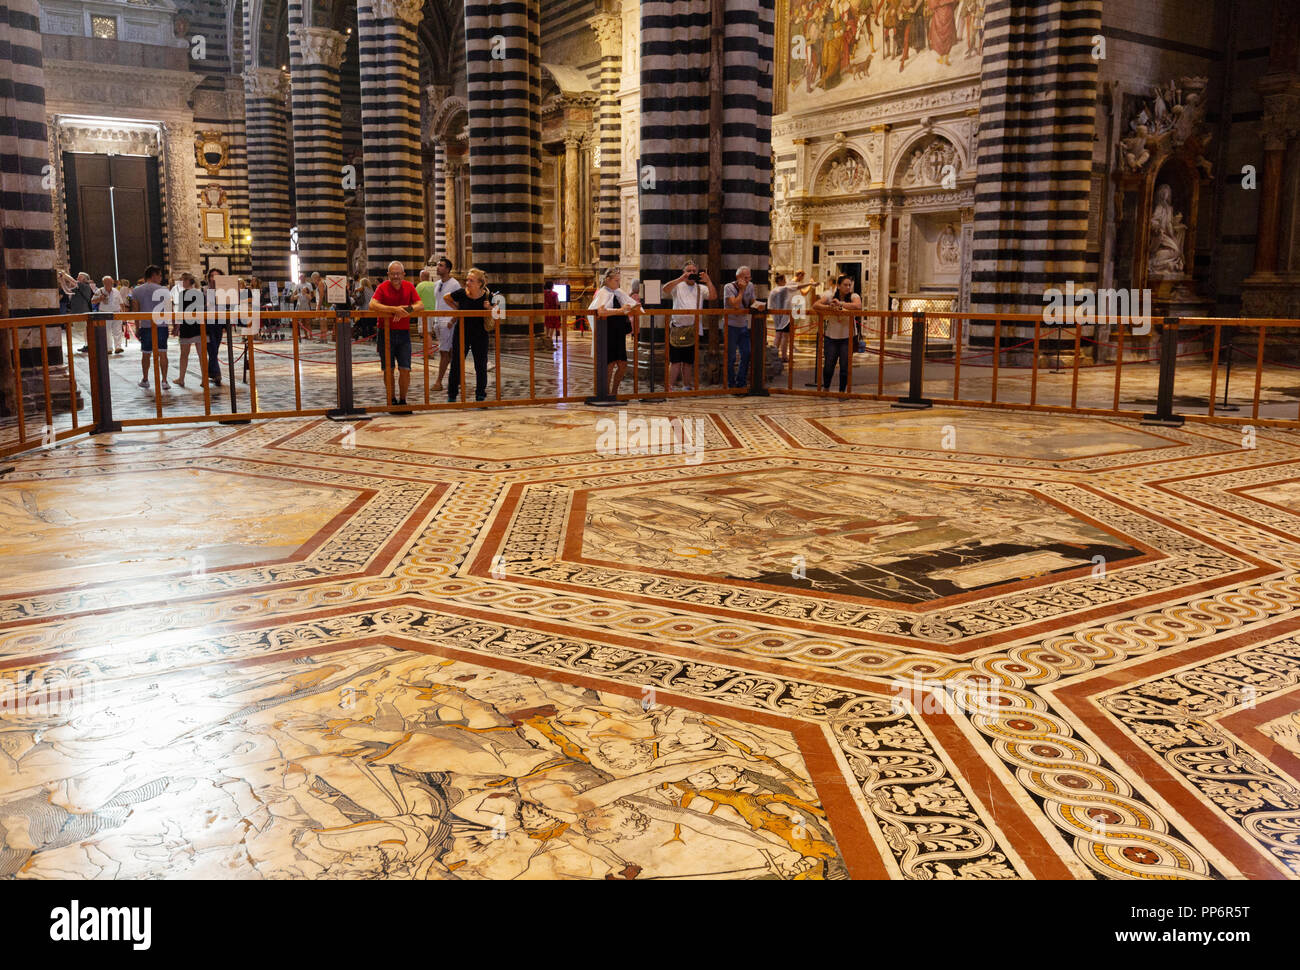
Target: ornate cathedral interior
[{"x": 882, "y": 463}]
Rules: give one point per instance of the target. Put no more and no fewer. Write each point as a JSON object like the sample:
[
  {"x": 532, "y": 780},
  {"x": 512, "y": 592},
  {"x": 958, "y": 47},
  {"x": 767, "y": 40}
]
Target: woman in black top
[
  {"x": 470, "y": 333},
  {"x": 188, "y": 315}
]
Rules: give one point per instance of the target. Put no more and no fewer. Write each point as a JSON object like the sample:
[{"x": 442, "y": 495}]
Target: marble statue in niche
[
  {"x": 1168, "y": 237},
  {"x": 949, "y": 251}
]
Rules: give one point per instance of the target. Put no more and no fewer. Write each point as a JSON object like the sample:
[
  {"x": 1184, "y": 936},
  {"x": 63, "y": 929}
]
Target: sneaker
[
  {"x": 144, "y": 382},
  {"x": 165, "y": 385},
  {"x": 395, "y": 402}
]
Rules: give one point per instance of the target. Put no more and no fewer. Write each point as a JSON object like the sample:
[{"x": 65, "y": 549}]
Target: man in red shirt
[{"x": 396, "y": 298}]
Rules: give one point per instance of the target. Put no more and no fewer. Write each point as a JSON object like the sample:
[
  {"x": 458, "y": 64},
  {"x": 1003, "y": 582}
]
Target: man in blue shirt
[
  {"x": 153, "y": 298},
  {"x": 739, "y": 295}
]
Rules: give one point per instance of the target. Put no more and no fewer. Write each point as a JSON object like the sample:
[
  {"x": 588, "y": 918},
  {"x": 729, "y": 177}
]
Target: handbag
[{"x": 681, "y": 336}]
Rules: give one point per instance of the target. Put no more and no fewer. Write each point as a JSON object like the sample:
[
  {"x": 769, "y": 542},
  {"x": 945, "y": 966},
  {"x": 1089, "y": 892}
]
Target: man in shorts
[
  {"x": 689, "y": 291},
  {"x": 396, "y": 299},
  {"x": 152, "y": 298},
  {"x": 442, "y": 326}
]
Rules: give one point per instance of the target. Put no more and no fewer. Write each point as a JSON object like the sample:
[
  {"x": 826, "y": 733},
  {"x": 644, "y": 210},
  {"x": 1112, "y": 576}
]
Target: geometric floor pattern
[{"x": 798, "y": 640}]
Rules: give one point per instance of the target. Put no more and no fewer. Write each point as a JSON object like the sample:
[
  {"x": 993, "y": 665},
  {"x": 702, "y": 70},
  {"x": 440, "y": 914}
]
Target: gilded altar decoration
[{"x": 211, "y": 151}]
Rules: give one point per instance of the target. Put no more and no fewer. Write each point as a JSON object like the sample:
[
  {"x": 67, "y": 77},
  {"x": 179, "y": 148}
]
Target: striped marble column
[
  {"x": 675, "y": 135},
  {"x": 390, "y": 133},
  {"x": 26, "y": 200},
  {"x": 674, "y": 164},
  {"x": 266, "y": 121},
  {"x": 609, "y": 33},
  {"x": 1034, "y": 164},
  {"x": 503, "y": 63},
  {"x": 27, "y": 285},
  {"x": 439, "y": 199},
  {"x": 314, "y": 59},
  {"x": 747, "y": 136}
]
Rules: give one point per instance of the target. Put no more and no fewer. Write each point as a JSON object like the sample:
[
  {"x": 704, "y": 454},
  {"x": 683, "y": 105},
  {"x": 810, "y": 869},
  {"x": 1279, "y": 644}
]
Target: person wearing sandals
[
  {"x": 620, "y": 310},
  {"x": 689, "y": 291}
]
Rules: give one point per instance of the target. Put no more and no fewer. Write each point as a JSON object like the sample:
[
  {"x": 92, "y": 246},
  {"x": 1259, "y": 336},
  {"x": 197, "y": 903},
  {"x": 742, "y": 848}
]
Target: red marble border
[
  {"x": 1247, "y": 724},
  {"x": 1080, "y": 696}
]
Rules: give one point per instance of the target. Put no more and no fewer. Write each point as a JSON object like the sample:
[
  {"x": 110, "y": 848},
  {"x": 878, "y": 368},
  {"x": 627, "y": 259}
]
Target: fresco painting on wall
[{"x": 879, "y": 45}]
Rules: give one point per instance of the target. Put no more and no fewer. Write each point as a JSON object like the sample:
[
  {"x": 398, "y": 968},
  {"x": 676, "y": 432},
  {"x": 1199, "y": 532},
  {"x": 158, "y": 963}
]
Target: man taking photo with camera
[{"x": 689, "y": 291}]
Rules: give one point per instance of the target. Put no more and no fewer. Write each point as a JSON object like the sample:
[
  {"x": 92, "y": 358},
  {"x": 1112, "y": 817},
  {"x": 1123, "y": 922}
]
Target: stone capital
[
  {"x": 320, "y": 45},
  {"x": 408, "y": 11},
  {"x": 265, "y": 84},
  {"x": 1281, "y": 120},
  {"x": 609, "y": 32}
]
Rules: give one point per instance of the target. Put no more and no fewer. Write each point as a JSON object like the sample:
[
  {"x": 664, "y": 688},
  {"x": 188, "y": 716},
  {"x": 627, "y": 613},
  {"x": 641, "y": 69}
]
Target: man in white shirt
[
  {"x": 108, "y": 299},
  {"x": 442, "y": 326},
  {"x": 689, "y": 291}
]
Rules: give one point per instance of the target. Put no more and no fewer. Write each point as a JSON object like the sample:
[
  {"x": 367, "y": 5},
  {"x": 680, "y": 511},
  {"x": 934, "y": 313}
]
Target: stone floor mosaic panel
[{"x": 836, "y": 642}]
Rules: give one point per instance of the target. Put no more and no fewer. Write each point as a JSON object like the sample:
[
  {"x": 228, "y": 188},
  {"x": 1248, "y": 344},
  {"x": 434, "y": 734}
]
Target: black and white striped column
[
  {"x": 266, "y": 121},
  {"x": 503, "y": 55},
  {"x": 609, "y": 33},
  {"x": 747, "y": 136},
  {"x": 390, "y": 133},
  {"x": 675, "y": 149},
  {"x": 26, "y": 196},
  {"x": 1038, "y": 98},
  {"x": 439, "y": 198},
  {"x": 314, "y": 59}
]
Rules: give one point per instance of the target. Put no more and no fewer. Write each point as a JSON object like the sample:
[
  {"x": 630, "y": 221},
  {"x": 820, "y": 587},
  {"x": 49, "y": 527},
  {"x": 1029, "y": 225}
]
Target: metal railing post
[
  {"x": 600, "y": 337},
  {"x": 101, "y": 392},
  {"x": 916, "y": 380},
  {"x": 347, "y": 409},
  {"x": 1168, "y": 360},
  {"x": 758, "y": 355}
]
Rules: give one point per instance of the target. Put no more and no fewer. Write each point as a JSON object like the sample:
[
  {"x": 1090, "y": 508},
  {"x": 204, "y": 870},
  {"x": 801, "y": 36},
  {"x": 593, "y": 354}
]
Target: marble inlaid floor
[{"x": 831, "y": 641}]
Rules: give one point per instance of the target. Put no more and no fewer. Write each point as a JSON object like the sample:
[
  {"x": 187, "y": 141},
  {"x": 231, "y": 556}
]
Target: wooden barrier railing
[{"x": 913, "y": 359}]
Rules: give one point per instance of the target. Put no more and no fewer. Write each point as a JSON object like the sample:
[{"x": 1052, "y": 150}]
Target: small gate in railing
[{"x": 326, "y": 365}]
